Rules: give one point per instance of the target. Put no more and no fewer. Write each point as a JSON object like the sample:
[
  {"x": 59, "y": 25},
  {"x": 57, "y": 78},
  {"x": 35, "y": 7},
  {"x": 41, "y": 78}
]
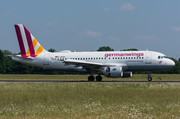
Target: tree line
[{"x": 8, "y": 66}]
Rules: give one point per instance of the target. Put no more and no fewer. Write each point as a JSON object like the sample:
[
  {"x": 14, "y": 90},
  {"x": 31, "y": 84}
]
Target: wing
[
  {"x": 91, "y": 65},
  {"x": 84, "y": 64}
]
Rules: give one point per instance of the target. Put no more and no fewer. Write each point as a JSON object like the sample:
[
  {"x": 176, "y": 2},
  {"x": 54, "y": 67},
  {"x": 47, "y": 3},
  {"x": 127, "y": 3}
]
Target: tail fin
[{"x": 29, "y": 46}]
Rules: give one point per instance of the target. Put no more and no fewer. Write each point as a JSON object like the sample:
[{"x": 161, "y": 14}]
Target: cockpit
[{"x": 162, "y": 57}]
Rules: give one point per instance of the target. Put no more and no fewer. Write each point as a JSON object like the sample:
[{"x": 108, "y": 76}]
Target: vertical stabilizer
[{"x": 29, "y": 46}]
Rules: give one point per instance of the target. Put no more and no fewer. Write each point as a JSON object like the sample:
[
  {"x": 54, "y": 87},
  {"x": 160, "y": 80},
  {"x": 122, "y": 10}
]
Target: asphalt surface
[{"x": 49, "y": 81}]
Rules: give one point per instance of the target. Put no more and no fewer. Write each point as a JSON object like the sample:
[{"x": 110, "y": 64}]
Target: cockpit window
[{"x": 161, "y": 57}]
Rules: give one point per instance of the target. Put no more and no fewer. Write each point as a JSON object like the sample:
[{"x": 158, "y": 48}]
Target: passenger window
[
  {"x": 139, "y": 57},
  {"x": 159, "y": 57},
  {"x": 109, "y": 58},
  {"x": 123, "y": 57},
  {"x": 131, "y": 57}
]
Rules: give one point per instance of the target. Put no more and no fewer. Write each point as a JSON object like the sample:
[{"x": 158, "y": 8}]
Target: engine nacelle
[
  {"x": 114, "y": 72},
  {"x": 127, "y": 74}
]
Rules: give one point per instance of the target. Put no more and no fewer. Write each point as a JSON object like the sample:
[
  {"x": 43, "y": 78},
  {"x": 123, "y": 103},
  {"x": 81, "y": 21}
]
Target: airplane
[{"x": 114, "y": 64}]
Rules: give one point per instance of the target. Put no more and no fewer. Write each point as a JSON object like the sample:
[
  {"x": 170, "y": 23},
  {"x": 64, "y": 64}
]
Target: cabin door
[{"x": 148, "y": 58}]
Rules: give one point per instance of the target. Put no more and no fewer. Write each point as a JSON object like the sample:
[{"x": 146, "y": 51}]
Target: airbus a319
[{"x": 113, "y": 64}]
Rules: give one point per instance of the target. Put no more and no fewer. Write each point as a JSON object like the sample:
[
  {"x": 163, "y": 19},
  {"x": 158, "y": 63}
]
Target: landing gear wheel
[
  {"x": 149, "y": 76},
  {"x": 91, "y": 78},
  {"x": 149, "y": 79},
  {"x": 98, "y": 78}
]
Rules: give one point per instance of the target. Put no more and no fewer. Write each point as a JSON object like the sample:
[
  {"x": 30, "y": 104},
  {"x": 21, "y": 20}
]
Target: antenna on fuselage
[{"x": 146, "y": 49}]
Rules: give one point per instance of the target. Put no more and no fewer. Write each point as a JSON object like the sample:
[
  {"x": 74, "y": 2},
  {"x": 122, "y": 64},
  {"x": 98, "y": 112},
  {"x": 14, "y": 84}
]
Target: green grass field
[
  {"x": 88, "y": 100},
  {"x": 135, "y": 77}
]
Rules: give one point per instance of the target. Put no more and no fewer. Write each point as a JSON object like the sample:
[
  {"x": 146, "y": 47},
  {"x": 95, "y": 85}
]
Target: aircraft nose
[{"x": 171, "y": 63}]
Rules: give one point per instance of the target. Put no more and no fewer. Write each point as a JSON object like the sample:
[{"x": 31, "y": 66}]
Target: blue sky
[{"x": 87, "y": 25}]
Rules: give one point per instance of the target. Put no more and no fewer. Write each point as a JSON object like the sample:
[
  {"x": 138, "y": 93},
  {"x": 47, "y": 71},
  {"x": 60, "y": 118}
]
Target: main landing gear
[
  {"x": 149, "y": 76},
  {"x": 91, "y": 78},
  {"x": 98, "y": 78}
]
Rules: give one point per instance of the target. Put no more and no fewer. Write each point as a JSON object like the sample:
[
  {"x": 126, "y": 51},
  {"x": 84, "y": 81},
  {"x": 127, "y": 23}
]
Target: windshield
[{"x": 162, "y": 57}]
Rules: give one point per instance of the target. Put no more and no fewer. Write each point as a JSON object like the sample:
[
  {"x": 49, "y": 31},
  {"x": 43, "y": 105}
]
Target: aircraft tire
[
  {"x": 149, "y": 79},
  {"x": 98, "y": 78},
  {"x": 91, "y": 78}
]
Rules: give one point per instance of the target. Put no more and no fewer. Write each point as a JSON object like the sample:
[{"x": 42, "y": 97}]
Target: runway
[{"x": 49, "y": 81}]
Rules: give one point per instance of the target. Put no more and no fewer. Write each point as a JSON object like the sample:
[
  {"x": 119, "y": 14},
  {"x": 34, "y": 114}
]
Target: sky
[{"x": 84, "y": 25}]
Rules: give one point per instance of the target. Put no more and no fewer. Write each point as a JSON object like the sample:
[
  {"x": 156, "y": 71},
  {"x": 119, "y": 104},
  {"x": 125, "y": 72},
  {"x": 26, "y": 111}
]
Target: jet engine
[{"x": 113, "y": 72}]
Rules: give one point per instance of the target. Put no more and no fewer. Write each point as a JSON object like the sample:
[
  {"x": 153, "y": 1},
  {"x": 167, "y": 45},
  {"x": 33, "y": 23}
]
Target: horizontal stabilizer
[{"x": 19, "y": 57}]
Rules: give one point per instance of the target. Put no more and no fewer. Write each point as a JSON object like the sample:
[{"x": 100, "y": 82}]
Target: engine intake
[{"x": 114, "y": 72}]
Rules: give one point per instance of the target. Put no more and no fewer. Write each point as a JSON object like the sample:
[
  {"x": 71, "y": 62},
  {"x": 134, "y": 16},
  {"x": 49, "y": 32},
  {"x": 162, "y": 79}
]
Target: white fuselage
[{"x": 128, "y": 60}]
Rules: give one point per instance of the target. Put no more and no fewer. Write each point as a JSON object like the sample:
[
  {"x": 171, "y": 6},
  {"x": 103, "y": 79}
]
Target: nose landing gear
[{"x": 149, "y": 76}]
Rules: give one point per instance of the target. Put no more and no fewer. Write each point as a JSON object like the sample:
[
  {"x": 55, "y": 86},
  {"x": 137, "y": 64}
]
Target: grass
[
  {"x": 90, "y": 100},
  {"x": 135, "y": 77}
]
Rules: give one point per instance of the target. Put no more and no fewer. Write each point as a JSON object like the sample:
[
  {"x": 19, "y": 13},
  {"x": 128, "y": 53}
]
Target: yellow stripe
[
  {"x": 28, "y": 53},
  {"x": 34, "y": 43},
  {"x": 40, "y": 49}
]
